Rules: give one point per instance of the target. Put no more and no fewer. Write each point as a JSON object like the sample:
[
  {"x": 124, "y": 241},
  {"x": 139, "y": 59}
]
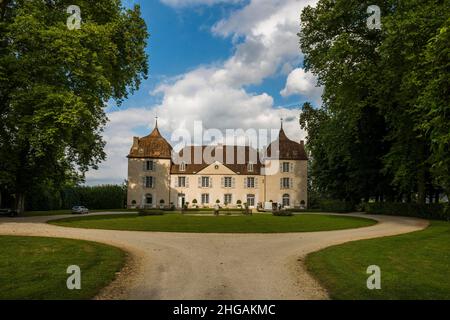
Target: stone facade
[{"x": 155, "y": 179}]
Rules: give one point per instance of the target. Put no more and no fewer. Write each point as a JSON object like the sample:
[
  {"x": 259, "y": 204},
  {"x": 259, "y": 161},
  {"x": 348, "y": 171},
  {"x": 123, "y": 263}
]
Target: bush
[
  {"x": 427, "y": 211},
  {"x": 147, "y": 212},
  {"x": 283, "y": 213},
  {"x": 337, "y": 206}
]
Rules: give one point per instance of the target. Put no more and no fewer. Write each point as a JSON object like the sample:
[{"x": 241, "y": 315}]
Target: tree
[
  {"x": 55, "y": 83},
  {"x": 383, "y": 129}
]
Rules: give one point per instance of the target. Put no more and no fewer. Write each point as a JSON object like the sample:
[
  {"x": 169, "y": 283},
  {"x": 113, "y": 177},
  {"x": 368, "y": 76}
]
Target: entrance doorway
[{"x": 181, "y": 200}]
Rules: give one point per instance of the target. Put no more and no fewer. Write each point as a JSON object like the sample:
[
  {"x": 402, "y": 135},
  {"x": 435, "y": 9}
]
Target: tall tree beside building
[
  {"x": 55, "y": 82},
  {"x": 386, "y": 96}
]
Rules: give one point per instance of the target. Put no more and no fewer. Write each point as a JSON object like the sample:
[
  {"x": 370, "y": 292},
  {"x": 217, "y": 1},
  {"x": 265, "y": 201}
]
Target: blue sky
[{"x": 228, "y": 63}]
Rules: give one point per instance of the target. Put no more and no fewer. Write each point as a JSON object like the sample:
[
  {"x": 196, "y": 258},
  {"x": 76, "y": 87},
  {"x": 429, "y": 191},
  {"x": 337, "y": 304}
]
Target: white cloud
[
  {"x": 266, "y": 44},
  {"x": 186, "y": 3},
  {"x": 119, "y": 132},
  {"x": 304, "y": 83}
]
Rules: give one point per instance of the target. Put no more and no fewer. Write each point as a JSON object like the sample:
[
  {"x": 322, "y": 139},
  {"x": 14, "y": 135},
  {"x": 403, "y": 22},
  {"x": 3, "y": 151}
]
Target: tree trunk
[
  {"x": 421, "y": 186},
  {"x": 20, "y": 203}
]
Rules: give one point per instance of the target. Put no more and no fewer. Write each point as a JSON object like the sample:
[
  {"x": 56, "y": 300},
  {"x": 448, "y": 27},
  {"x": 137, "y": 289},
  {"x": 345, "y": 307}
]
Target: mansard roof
[
  {"x": 152, "y": 146},
  {"x": 235, "y": 158}
]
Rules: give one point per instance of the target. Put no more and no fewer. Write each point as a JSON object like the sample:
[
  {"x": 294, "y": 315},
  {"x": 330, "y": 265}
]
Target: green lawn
[
  {"x": 221, "y": 224},
  {"x": 35, "y": 268},
  {"x": 413, "y": 266}
]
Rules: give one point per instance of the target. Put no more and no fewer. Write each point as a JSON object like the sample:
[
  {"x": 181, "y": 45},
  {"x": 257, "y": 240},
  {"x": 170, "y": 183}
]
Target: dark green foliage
[
  {"x": 149, "y": 212},
  {"x": 382, "y": 132},
  {"x": 283, "y": 213},
  {"x": 94, "y": 198},
  {"x": 338, "y": 206},
  {"x": 55, "y": 84},
  {"x": 426, "y": 211},
  {"x": 98, "y": 197}
]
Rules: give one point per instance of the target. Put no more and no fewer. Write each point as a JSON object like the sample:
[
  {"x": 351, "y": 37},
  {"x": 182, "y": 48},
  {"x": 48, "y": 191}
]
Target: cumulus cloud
[
  {"x": 304, "y": 83},
  {"x": 118, "y": 135},
  {"x": 265, "y": 43},
  {"x": 186, "y": 3}
]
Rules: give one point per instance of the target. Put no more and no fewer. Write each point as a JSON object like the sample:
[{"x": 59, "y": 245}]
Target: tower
[{"x": 149, "y": 164}]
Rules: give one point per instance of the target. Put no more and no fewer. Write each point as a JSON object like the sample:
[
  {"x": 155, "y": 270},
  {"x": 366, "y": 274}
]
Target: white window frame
[
  {"x": 251, "y": 167},
  {"x": 228, "y": 182},
  {"x": 182, "y": 179},
  {"x": 149, "y": 167},
  {"x": 251, "y": 185},
  {"x": 253, "y": 197},
  {"x": 288, "y": 202},
  {"x": 283, "y": 183},
  {"x": 149, "y": 182},
  {"x": 205, "y": 198},
  {"x": 228, "y": 195},
  {"x": 206, "y": 182},
  {"x": 288, "y": 166}
]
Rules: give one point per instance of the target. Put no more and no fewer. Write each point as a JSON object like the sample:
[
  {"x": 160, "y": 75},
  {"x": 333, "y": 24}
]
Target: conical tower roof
[
  {"x": 152, "y": 146},
  {"x": 287, "y": 149}
]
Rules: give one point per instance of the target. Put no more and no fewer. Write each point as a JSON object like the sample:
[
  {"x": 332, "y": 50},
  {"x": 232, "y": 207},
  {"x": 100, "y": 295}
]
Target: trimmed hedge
[
  {"x": 426, "y": 211},
  {"x": 337, "y": 206},
  {"x": 283, "y": 213},
  {"x": 147, "y": 212}
]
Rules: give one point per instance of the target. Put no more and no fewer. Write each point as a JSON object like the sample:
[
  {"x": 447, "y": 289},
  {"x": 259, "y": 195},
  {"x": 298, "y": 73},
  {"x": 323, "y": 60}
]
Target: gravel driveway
[{"x": 213, "y": 266}]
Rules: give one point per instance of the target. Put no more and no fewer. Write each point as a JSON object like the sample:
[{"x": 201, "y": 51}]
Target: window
[
  {"x": 205, "y": 183},
  {"x": 182, "y": 182},
  {"x": 205, "y": 198},
  {"x": 251, "y": 200},
  {"x": 286, "y": 200},
  {"x": 286, "y": 167},
  {"x": 250, "y": 167},
  {"x": 183, "y": 167},
  {"x": 228, "y": 199},
  {"x": 149, "y": 199},
  {"x": 149, "y": 165},
  {"x": 250, "y": 183},
  {"x": 228, "y": 182},
  {"x": 149, "y": 182},
  {"x": 285, "y": 183}
]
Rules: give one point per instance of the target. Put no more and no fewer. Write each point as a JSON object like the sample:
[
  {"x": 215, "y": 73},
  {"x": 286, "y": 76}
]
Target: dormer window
[
  {"x": 182, "y": 167},
  {"x": 250, "y": 167}
]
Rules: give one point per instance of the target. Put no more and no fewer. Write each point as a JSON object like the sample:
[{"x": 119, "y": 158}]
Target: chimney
[{"x": 135, "y": 143}]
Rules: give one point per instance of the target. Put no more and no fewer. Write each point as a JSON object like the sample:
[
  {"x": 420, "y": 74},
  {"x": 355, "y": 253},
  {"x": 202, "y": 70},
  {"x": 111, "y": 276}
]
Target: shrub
[
  {"x": 283, "y": 213},
  {"x": 147, "y": 212},
  {"x": 338, "y": 206},
  {"x": 427, "y": 211}
]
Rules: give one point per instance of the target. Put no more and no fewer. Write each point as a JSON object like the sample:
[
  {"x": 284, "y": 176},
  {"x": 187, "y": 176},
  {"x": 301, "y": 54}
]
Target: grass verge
[
  {"x": 34, "y": 268},
  {"x": 413, "y": 266}
]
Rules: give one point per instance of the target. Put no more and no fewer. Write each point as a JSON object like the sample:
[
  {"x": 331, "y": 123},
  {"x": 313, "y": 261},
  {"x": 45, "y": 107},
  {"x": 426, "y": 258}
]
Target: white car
[{"x": 80, "y": 210}]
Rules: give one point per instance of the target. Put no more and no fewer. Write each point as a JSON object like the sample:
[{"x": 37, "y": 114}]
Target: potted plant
[
  {"x": 161, "y": 203},
  {"x": 133, "y": 204},
  {"x": 302, "y": 205},
  {"x": 194, "y": 202},
  {"x": 239, "y": 203}
]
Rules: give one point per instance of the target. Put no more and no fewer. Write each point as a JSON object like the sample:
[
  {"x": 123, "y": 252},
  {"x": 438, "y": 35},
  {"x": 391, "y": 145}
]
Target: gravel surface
[{"x": 213, "y": 266}]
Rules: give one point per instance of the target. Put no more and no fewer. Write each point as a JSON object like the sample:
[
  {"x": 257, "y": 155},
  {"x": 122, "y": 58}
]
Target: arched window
[
  {"x": 286, "y": 200},
  {"x": 149, "y": 199},
  {"x": 251, "y": 200},
  {"x": 183, "y": 167}
]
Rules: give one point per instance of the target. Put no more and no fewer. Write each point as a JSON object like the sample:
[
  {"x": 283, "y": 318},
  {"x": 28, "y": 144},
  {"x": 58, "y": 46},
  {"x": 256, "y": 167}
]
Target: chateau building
[{"x": 234, "y": 175}]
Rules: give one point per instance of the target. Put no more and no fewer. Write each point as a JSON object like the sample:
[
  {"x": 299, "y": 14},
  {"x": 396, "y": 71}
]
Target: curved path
[{"x": 214, "y": 266}]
